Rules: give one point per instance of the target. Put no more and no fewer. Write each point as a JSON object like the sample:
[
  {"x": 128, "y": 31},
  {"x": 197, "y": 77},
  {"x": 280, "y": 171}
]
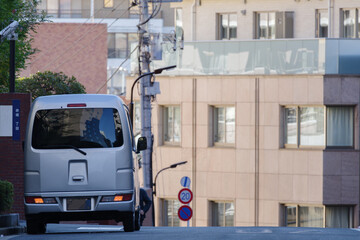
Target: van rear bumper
[{"x": 56, "y": 217}]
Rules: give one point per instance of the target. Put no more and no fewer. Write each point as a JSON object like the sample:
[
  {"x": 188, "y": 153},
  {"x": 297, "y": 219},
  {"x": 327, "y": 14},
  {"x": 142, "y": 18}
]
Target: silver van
[{"x": 79, "y": 163}]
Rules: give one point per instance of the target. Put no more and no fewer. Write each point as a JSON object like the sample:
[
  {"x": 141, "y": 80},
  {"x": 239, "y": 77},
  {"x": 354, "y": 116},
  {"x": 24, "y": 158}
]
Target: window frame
[
  {"x": 165, "y": 125},
  {"x": 324, "y": 208},
  {"x": 212, "y": 204},
  {"x": 357, "y": 22},
  {"x": 353, "y": 125},
  {"x": 318, "y": 21},
  {"x": 164, "y": 215},
  {"x": 257, "y": 25},
  {"x": 298, "y": 144},
  {"x": 111, "y": 2},
  {"x": 213, "y": 127},
  {"x": 219, "y": 25}
]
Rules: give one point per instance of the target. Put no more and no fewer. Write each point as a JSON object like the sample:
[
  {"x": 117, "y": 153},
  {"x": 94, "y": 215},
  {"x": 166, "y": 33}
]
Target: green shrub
[{"x": 6, "y": 196}]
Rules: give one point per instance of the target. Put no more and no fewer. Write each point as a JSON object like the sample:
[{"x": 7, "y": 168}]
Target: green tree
[
  {"x": 48, "y": 83},
  {"x": 25, "y": 12}
]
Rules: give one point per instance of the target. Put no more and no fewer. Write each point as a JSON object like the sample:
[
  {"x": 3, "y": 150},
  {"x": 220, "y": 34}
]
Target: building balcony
[{"x": 263, "y": 57}]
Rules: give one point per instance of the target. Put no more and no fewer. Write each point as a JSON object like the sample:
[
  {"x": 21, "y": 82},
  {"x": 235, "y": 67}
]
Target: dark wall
[{"x": 11, "y": 153}]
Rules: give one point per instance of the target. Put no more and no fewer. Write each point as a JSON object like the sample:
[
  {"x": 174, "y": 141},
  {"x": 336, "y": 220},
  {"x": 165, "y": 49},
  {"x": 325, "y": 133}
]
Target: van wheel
[
  {"x": 137, "y": 221},
  {"x": 129, "y": 223},
  {"x": 35, "y": 227}
]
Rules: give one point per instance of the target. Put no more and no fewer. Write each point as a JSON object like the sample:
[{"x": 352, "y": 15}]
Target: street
[{"x": 77, "y": 232}]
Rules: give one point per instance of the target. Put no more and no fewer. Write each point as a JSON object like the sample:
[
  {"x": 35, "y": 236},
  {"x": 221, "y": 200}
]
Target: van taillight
[
  {"x": 117, "y": 198},
  {"x": 76, "y": 105},
  {"x": 40, "y": 200}
]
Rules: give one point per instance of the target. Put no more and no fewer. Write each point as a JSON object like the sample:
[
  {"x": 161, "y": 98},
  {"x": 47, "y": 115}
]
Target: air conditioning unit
[{"x": 284, "y": 25}]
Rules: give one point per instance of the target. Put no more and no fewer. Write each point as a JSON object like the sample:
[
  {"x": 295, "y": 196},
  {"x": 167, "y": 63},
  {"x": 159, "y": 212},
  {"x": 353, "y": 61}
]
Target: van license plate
[{"x": 78, "y": 204}]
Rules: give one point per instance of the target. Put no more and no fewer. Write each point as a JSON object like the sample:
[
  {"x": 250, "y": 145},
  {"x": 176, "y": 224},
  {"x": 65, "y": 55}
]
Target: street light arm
[{"x": 154, "y": 183}]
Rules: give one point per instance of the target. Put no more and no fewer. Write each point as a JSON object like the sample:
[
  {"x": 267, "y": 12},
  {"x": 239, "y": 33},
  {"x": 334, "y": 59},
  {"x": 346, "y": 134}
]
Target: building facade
[
  {"x": 121, "y": 19},
  {"x": 264, "y": 106}
]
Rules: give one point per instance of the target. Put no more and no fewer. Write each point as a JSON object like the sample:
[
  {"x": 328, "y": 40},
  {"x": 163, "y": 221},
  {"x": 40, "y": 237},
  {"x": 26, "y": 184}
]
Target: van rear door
[{"x": 77, "y": 149}]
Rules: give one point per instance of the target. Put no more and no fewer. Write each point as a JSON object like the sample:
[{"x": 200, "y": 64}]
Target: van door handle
[{"x": 78, "y": 178}]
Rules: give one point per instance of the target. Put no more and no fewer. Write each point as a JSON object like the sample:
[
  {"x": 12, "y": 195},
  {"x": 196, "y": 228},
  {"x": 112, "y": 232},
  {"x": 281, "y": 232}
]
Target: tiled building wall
[
  {"x": 78, "y": 50},
  {"x": 204, "y": 14}
]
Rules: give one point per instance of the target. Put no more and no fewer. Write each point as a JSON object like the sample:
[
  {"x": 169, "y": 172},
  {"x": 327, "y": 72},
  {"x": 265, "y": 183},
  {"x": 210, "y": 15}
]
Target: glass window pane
[
  {"x": 224, "y": 20},
  {"x": 312, "y": 126},
  {"x": 108, "y": 3},
  {"x": 120, "y": 45},
  {"x": 340, "y": 126},
  {"x": 262, "y": 25},
  {"x": 82, "y": 128},
  {"x": 337, "y": 217},
  {"x": 229, "y": 214},
  {"x": 111, "y": 45},
  {"x": 65, "y": 8},
  {"x": 272, "y": 23},
  {"x": 176, "y": 220},
  {"x": 230, "y": 124},
  {"x": 232, "y": 26},
  {"x": 219, "y": 125},
  {"x": 290, "y": 126},
  {"x": 177, "y": 124},
  {"x": 322, "y": 23},
  {"x": 349, "y": 23},
  {"x": 291, "y": 216},
  {"x": 311, "y": 216}
]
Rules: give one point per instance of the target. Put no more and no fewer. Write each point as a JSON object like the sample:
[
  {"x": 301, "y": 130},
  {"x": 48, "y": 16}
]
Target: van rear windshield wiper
[{"x": 64, "y": 146}]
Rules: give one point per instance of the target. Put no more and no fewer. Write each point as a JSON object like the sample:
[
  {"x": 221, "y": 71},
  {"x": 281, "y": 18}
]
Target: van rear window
[{"x": 78, "y": 127}]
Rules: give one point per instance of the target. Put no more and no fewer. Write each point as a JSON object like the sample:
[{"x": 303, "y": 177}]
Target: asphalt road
[{"x": 77, "y": 232}]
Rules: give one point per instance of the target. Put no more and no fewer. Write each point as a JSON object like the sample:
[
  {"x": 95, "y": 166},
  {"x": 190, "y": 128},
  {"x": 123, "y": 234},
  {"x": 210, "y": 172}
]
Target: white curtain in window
[
  {"x": 337, "y": 217},
  {"x": 340, "y": 126}
]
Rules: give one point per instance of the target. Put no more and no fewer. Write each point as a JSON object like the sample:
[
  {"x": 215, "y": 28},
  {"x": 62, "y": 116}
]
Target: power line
[
  {"x": 83, "y": 36},
  {"x": 127, "y": 58},
  {"x": 70, "y": 33}
]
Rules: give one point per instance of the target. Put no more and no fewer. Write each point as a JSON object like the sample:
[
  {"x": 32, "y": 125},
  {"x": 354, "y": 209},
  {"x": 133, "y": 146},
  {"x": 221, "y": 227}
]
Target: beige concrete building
[{"x": 265, "y": 109}]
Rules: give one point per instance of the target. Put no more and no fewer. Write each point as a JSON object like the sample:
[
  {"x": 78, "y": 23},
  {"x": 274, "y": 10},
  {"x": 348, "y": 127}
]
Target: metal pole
[{"x": 12, "y": 66}]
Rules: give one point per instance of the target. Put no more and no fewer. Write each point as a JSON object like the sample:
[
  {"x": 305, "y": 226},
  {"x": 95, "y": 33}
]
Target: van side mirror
[{"x": 141, "y": 144}]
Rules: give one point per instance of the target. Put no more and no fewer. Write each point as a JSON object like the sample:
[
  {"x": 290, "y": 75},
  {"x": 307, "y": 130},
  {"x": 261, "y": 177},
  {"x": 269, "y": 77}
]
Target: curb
[{"x": 12, "y": 230}]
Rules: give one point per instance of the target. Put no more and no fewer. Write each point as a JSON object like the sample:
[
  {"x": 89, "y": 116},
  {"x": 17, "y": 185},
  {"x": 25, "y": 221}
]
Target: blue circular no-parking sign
[{"x": 185, "y": 213}]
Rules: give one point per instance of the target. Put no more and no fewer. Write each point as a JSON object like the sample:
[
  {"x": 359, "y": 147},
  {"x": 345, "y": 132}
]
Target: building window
[
  {"x": 224, "y": 125},
  {"x": 172, "y": 124},
  {"x": 265, "y": 25},
  {"x": 339, "y": 126},
  {"x": 222, "y": 214},
  {"x": 170, "y": 213},
  {"x": 61, "y": 8},
  {"x": 322, "y": 23},
  {"x": 227, "y": 26},
  {"x": 119, "y": 44},
  {"x": 350, "y": 23},
  {"x": 108, "y": 3},
  {"x": 318, "y": 216},
  {"x": 305, "y": 126}
]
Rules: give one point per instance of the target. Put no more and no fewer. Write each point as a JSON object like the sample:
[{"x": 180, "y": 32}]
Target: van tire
[
  {"x": 35, "y": 227},
  {"x": 129, "y": 223},
  {"x": 137, "y": 221}
]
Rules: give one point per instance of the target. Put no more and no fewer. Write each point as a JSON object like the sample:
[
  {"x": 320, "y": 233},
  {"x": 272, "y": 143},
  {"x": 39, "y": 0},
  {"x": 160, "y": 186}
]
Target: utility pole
[{"x": 146, "y": 93}]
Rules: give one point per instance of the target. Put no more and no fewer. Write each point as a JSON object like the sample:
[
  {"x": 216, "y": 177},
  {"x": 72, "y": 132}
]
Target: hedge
[{"x": 6, "y": 196}]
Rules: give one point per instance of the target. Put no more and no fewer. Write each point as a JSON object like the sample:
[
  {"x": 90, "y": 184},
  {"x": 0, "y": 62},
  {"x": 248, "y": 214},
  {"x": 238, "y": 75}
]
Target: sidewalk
[{"x": 10, "y": 225}]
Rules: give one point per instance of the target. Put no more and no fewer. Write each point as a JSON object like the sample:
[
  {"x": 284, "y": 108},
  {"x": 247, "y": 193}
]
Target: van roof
[{"x": 91, "y": 100}]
